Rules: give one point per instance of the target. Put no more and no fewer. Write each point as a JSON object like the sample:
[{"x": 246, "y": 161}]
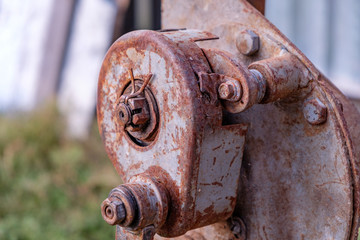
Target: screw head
[
  {"x": 315, "y": 112},
  {"x": 248, "y": 42}
]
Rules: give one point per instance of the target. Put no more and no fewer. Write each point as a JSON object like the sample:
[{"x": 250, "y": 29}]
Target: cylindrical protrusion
[
  {"x": 258, "y": 78},
  {"x": 230, "y": 89},
  {"x": 284, "y": 75},
  {"x": 124, "y": 114},
  {"x": 136, "y": 205},
  {"x": 248, "y": 42},
  {"x": 120, "y": 208}
]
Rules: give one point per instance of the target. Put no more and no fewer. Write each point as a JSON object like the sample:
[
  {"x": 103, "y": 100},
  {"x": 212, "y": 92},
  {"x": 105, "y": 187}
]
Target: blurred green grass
[{"x": 51, "y": 187}]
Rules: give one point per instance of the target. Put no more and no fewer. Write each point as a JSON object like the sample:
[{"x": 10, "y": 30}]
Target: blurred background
[{"x": 54, "y": 172}]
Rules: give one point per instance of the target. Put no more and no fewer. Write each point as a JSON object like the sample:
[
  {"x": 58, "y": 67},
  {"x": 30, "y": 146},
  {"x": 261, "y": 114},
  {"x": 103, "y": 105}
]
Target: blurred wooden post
[
  {"x": 54, "y": 49},
  {"x": 122, "y": 7},
  {"x": 90, "y": 38}
]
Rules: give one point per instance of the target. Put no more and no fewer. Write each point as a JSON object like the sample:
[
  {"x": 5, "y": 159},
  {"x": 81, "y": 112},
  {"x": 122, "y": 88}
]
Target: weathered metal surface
[
  {"x": 218, "y": 231},
  {"x": 305, "y": 174},
  {"x": 298, "y": 180},
  {"x": 193, "y": 155}
]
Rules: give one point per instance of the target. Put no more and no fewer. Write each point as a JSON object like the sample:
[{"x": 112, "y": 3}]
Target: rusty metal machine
[{"x": 225, "y": 130}]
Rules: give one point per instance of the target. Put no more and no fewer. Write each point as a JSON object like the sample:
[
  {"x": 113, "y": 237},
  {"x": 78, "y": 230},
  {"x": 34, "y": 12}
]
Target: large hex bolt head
[{"x": 248, "y": 42}]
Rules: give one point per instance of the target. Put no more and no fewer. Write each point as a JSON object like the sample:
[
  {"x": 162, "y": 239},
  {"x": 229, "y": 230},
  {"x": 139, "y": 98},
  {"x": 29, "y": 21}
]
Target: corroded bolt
[
  {"x": 113, "y": 212},
  {"x": 315, "y": 112},
  {"x": 139, "y": 119},
  {"x": 140, "y": 107},
  {"x": 229, "y": 90},
  {"x": 248, "y": 42},
  {"x": 124, "y": 114}
]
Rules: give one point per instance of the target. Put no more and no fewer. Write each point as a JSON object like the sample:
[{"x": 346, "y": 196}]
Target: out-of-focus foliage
[{"x": 51, "y": 187}]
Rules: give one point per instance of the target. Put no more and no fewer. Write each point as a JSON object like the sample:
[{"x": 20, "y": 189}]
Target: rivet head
[
  {"x": 315, "y": 112},
  {"x": 248, "y": 42}
]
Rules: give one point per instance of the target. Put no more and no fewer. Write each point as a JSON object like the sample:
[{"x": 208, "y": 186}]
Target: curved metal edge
[
  {"x": 349, "y": 119},
  {"x": 174, "y": 55}
]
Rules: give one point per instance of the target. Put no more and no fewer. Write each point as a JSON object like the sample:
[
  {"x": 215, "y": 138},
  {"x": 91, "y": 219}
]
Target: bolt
[
  {"x": 140, "y": 107},
  {"x": 113, "y": 212},
  {"x": 230, "y": 90},
  {"x": 137, "y": 205},
  {"x": 248, "y": 42},
  {"x": 124, "y": 114},
  {"x": 315, "y": 112}
]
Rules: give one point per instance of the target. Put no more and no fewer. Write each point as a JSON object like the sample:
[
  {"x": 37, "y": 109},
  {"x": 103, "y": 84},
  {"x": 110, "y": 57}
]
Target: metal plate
[{"x": 299, "y": 181}]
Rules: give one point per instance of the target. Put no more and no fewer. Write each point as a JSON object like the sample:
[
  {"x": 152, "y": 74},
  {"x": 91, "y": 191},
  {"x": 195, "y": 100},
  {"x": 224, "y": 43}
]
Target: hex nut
[
  {"x": 226, "y": 90},
  {"x": 113, "y": 212},
  {"x": 315, "y": 112},
  {"x": 230, "y": 90},
  {"x": 139, "y": 119},
  {"x": 248, "y": 42}
]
